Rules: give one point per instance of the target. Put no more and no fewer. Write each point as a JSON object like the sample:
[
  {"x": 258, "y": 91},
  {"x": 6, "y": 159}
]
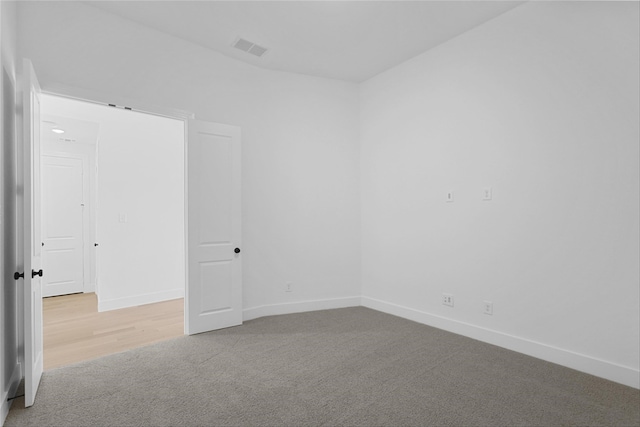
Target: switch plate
[
  {"x": 122, "y": 217},
  {"x": 487, "y": 193},
  {"x": 488, "y": 307},
  {"x": 449, "y": 196}
]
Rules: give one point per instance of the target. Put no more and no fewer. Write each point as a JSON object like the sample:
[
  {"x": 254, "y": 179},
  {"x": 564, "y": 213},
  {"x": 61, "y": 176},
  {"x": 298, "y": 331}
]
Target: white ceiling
[
  {"x": 75, "y": 130},
  {"x": 346, "y": 40}
]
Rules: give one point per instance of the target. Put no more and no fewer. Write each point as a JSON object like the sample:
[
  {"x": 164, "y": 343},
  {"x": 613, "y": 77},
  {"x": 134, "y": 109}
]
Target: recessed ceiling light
[{"x": 57, "y": 131}]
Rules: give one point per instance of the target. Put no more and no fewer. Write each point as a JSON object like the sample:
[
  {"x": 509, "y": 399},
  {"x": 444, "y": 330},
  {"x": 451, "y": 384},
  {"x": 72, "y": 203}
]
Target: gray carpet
[{"x": 351, "y": 366}]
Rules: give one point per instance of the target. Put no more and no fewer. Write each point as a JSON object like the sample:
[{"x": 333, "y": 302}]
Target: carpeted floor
[{"x": 352, "y": 366}]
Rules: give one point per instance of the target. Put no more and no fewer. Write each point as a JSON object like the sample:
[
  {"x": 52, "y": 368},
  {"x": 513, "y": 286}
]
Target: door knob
[
  {"x": 17, "y": 275},
  {"x": 236, "y": 250},
  {"x": 36, "y": 273}
]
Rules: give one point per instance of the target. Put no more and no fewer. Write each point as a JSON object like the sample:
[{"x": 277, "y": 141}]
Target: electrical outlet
[
  {"x": 488, "y": 307},
  {"x": 288, "y": 287},
  {"x": 447, "y": 299}
]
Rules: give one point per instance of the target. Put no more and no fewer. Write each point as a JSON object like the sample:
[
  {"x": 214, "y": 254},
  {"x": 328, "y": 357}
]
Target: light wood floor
[{"x": 74, "y": 330}]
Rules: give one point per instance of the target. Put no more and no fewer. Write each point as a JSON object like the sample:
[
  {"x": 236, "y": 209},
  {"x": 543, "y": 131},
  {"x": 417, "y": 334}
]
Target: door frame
[
  {"x": 92, "y": 97},
  {"x": 88, "y": 285}
]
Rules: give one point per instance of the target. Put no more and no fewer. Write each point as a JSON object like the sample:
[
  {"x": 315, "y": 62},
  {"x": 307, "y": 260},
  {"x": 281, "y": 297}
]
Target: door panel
[
  {"x": 216, "y": 181},
  {"x": 214, "y": 290},
  {"x": 33, "y": 339},
  {"x": 63, "y": 256},
  {"x": 216, "y": 294}
]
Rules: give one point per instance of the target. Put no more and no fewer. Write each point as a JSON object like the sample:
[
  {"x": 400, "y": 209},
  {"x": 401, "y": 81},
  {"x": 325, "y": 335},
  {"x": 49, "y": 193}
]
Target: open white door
[
  {"x": 214, "y": 273},
  {"x": 33, "y": 347}
]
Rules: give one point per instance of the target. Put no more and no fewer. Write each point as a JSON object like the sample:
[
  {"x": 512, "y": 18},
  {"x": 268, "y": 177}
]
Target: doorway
[{"x": 113, "y": 228}]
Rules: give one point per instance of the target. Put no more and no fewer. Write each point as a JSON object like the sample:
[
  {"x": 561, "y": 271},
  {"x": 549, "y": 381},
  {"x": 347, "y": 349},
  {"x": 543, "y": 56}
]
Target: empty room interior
[{"x": 355, "y": 212}]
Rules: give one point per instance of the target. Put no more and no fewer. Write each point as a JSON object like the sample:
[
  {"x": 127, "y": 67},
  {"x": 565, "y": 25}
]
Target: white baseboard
[
  {"x": 580, "y": 362},
  {"x": 299, "y": 307},
  {"x": 13, "y": 382},
  {"x": 114, "y": 304}
]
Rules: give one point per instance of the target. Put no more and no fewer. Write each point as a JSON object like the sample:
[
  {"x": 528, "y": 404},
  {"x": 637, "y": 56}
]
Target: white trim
[
  {"x": 299, "y": 307},
  {"x": 185, "y": 221},
  {"x": 13, "y": 382},
  {"x": 115, "y": 304},
  {"x": 580, "y": 362}
]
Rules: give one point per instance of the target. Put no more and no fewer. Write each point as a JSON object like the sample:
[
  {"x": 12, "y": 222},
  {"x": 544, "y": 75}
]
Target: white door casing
[
  {"x": 63, "y": 220},
  {"x": 214, "y": 272},
  {"x": 33, "y": 338}
]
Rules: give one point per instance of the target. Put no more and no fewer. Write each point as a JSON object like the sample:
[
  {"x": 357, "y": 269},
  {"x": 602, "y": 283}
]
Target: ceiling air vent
[{"x": 249, "y": 47}]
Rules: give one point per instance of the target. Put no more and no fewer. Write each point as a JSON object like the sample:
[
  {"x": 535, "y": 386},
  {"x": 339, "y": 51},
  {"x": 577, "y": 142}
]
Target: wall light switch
[
  {"x": 449, "y": 196},
  {"x": 488, "y": 307},
  {"x": 122, "y": 217},
  {"x": 486, "y": 193}
]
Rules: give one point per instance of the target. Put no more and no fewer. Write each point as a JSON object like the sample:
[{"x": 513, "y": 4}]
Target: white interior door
[
  {"x": 214, "y": 273},
  {"x": 63, "y": 227},
  {"x": 33, "y": 347}
]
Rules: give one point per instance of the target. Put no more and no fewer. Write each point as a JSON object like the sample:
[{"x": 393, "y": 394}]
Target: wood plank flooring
[{"x": 74, "y": 330}]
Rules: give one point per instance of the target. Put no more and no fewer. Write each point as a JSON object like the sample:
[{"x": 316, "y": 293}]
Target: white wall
[
  {"x": 299, "y": 134},
  {"x": 541, "y": 104},
  {"x": 10, "y": 299},
  {"x": 141, "y": 176}
]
